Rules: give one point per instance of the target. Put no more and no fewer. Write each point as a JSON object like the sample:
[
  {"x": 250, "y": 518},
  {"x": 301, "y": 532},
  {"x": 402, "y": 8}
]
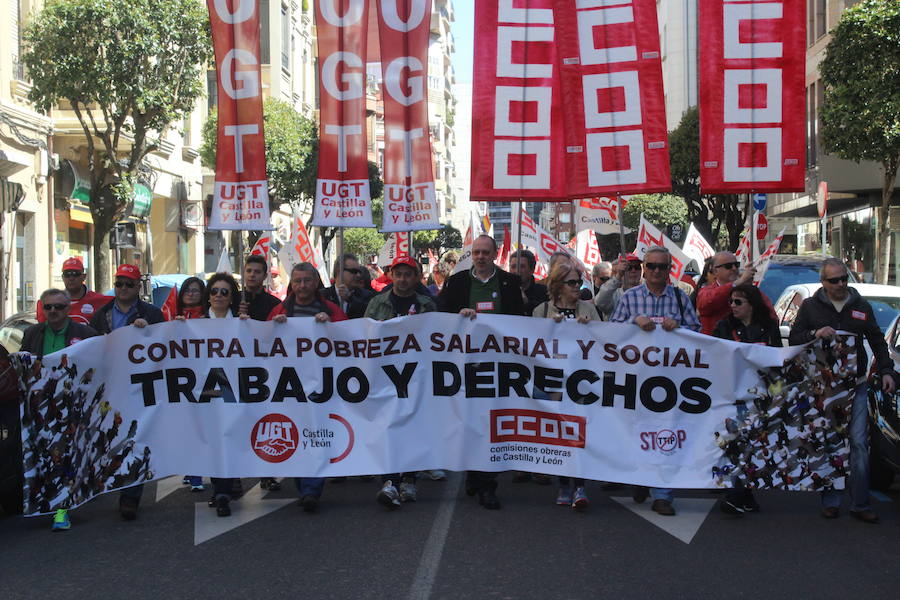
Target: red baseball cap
[
  {"x": 129, "y": 271},
  {"x": 632, "y": 257},
  {"x": 409, "y": 261},
  {"x": 73, "y": 264}
]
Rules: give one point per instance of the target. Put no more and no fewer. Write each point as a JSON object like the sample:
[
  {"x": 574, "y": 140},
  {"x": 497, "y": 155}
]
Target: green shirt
[
  {"x": 484, "y": 296},
  {"x": 55, "y": 340}
]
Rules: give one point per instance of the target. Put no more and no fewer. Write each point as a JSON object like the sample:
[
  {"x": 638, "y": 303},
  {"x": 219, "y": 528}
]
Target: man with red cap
[
  {"x": 83, "y": 303},
  {"x": 127, "y": 309},
  {"x": 627, "y": 275},
  {"x": 400, "y": 300}
]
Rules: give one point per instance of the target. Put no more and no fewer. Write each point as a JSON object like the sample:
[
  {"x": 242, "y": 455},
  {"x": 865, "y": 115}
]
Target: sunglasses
[
  {"x": 837, "y": 280},
  {"x": 573, "y": 282},
  {"x": 633, "y": 268},
  {"x": 71, "y": 273},
  {"x": 127, "y": 284},
  {"x": 55, "y": 307},
  {"x": 603, "y": 279},
  {"x": 219, "y": 291},
  {"x": 657, "y": 266},
  {"x": 736, "y": 301},
  {"x": 730, "y": 265}
]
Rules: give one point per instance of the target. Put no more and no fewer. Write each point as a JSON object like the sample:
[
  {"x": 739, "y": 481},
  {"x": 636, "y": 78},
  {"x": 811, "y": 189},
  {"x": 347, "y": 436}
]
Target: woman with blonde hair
[{"x": 564, "y": 289}]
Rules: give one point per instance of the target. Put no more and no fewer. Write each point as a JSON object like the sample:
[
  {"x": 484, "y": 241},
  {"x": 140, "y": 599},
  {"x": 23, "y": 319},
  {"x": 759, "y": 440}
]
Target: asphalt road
[{"x": 446, "y": 546}]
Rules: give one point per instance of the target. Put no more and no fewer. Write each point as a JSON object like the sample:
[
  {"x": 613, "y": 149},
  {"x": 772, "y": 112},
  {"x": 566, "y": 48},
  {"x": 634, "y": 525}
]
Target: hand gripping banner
[
  {"x": 752, "y": 90},
  {"x": 343, "y": 198},
  {"x": 241, "y": 191},
  {"x": 603, "y": 401},
  {"x": 612, "y": 97},
  {"x": 404, "y": 28}
]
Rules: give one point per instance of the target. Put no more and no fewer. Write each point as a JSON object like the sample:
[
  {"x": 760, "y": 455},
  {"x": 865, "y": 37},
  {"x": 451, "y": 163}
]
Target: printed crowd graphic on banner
[
  {"x": 241, "y": 191},
  {"x": 752, "y": 96},
  {"x": 410, "y": 202},
  {"x": 343, "y": 197},
  {"x": 249, "y": 399},
  {"x": 599, "y": 214},
  {"x": 567, "y": 100}
]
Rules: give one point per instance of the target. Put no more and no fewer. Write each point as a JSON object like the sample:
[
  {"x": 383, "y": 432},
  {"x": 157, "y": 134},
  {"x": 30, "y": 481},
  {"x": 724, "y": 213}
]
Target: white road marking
[
  {"x": 166, "y": 486},
  {"x": 689, "y": 517},
  {"x": 437, "y": 537},
  {"x": 251, "y": 506}
]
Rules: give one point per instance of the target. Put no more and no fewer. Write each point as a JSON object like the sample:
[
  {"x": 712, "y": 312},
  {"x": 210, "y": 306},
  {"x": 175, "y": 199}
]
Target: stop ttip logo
[
  {"x": 274, "y": 438},
  {"x": 664, "y": 441}
]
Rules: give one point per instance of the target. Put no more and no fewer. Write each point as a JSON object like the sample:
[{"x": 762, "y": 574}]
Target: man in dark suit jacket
[
  {"x": 58, "y": 331},
  {"x": 483, "y": 289}
]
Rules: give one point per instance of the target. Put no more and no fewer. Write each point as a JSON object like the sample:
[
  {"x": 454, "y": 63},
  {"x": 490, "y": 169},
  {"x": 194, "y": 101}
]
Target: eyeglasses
[
  {"x": 657, "y": 266},
  {"x": 351, "y": 270},
  {"x": 633, "y": 268},
  {"x": 127, "y": 284},
  {"x": 72, "y": 273},
  {"x": 55, "y": 307},
  {"x": 736, "y": 301},
  {"x": 837, "y": 280},
  {"x": 729, "y": 265},
  {"x": 219, "y": 291},
  {"x": 603, "y": 279},
  {"x": 573, "y": 282}
]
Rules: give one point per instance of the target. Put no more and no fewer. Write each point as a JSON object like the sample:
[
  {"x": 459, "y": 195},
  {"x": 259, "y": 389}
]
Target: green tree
[
  {"x": 128, "y": 70},
  {"x": 861, "y": 114},
  {"x": 363, "y": 242},
  {"x": 449, "y": 238},
  {"x": 709, "y": 213},
  {"x": 660, "y": 209}
]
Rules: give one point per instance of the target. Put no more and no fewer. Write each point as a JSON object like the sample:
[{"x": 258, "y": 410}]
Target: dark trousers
[
  {"x": 134, "y": 492},
  {"x": 481, "y": 481},
  {"x": 396, "y": 478},
  {"x": 222, "y": 486}
]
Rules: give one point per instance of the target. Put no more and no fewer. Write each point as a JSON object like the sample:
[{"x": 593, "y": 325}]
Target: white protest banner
[
  {"x": 587, "y": 250},
  {"x": 241, "y": 189},
  {"x": 540, "y": 241},
  {"x": 300, "y": 249},
  {"x": 396, "y": 245},
  {"x": 599, "y": 214},
  {"x": 465, "y": 258},
  {"x": 602, "y": 401},
  {"x": 762, "y": 263},
  {"x": 649, "y": 235},
  {"x": 696, "y": 246}
]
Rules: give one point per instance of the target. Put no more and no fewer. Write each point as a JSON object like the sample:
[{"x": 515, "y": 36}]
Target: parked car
[
  {"x": 884, "y": 422},
  {"x": 13, "y": 328},
  {"x": 789, "y": 269},
  {"x": 885, "y": 301}
]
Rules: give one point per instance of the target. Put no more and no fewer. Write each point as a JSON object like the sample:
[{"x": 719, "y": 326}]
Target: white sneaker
[
  {"x": 388, "y": 495},
  {"x": 436, "y": 474},
  {"x": 407, "y": 491}
]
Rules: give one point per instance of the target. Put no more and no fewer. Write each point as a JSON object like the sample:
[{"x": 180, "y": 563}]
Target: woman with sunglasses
[
  {"x": 223, "y": 304},
  {"x": 190, "y": 303},
  {"x": 750, "y": 322},
  {"x": 565, "y": 303}
]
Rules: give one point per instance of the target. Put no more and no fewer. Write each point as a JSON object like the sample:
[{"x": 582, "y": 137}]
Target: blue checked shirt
[{"x": 640, "y": 302}]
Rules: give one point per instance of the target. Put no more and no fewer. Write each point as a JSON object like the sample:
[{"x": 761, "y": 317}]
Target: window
[
  {"x": 212, "y": 90},
  {"x": 285, "y": 39},
  {"x": 264, "y": 31}
]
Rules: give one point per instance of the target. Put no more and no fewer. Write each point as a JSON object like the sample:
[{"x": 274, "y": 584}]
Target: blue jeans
[
  {"x": 661, "y": 494},
  {"x": 858, "y": 484},
  {"x": 310, "y": 486}
]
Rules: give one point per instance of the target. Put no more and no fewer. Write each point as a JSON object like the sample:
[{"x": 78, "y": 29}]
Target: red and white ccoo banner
[
  {"x": 612, "y": 97},
  {"x": 343, "y": 198},
  {"x": 241, "y": 191},
  {"x": 410, "y": 202},
  {"x": 517, "y": 146},
  {"x": 752, "y": 96},
  {"x": 599, "y": 214}
]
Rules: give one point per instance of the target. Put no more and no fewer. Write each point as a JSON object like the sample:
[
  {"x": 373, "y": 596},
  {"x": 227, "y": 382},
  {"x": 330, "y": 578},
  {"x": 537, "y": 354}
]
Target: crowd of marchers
[{"x": 636, "y": 290}]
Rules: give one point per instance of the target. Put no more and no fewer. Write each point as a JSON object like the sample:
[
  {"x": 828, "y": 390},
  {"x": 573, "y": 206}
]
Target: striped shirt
[{"x": 640, "y": 302}]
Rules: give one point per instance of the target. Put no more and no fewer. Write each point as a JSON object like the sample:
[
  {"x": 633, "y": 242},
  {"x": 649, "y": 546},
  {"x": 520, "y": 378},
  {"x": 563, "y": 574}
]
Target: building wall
[{"x": 677, "y": 21}]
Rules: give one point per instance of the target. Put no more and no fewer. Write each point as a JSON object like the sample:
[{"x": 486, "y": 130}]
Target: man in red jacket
[
  {"x": 712, "y": 301},
  {"x": 83, "y": 303}
]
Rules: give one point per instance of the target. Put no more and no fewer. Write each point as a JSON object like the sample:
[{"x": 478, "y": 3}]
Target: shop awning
[
  {"x": 12, "y": 161},
  {"x": 76, "y": 184},
  {"x": 11, "y": 195}
]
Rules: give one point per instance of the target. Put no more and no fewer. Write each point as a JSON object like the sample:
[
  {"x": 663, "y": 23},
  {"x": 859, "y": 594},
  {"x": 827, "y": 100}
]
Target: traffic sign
[
  {"x": 762, "y": 227},
  {"x": 759, "y": 201},
  {"x": 822, "y": 199}
]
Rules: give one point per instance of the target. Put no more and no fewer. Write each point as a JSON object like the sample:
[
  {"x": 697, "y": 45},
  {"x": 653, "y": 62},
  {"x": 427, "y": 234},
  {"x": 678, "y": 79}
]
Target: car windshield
[
  {"x": 885, "y": 309},
  {"x": 780, "y": 276}
]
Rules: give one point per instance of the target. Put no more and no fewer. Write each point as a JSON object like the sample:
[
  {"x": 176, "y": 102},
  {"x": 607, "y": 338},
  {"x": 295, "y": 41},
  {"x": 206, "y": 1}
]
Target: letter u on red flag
[{"x": 241, "y": 191}]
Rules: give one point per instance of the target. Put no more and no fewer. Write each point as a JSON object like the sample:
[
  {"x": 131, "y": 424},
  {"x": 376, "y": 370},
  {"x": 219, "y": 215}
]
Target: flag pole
[{"x": 621, "y": 225}]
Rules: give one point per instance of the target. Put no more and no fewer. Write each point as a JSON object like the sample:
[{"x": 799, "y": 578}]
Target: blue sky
[{"x": 464, "y": 35}]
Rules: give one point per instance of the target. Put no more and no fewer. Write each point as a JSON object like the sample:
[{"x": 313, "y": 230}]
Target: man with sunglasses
[
  {"x": 628, "y": 274},
  {"x": 712, "y": 300},
  {"x": 348, "y": 291},
  {"x": 127, "y": 309},
  {"x": 83, "y": 303},
  {"x": 647, "y": 305},
  {"x": 838, "y": 307}
]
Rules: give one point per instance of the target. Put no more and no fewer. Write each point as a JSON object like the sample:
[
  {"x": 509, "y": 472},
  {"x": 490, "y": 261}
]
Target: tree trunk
[
  {"x": 101, "y": 257},
  {"x": 883, "y": 239}
]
